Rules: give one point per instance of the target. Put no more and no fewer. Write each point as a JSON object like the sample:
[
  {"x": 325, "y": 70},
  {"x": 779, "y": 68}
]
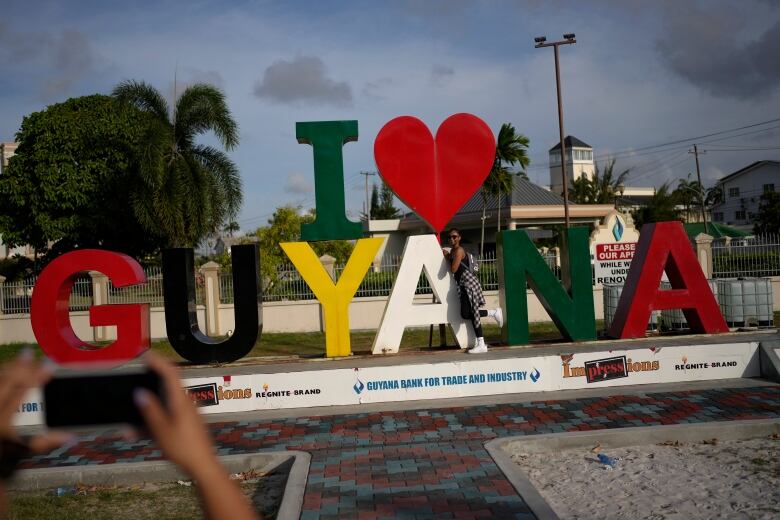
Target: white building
[
  {"x": 579, "y": 163},
  {"x": 741, "y": 193},
  {"x": 7, "y": 150}
]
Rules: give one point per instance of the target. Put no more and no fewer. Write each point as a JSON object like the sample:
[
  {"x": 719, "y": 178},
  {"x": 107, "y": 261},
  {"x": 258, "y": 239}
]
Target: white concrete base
[{"x": 354, "y": 381}]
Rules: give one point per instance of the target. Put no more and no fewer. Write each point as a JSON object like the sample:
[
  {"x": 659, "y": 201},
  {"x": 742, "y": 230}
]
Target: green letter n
[{"x": 571, "y": 311}]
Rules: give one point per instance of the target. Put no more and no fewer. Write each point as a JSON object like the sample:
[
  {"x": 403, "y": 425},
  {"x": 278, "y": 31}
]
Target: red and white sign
[{"x": 612, "y": 262}]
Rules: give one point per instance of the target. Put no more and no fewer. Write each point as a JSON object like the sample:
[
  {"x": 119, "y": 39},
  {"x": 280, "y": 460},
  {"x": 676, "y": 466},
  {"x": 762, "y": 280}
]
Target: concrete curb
[
  {"x": 129, "y": 473},
  {"x": 294, "y": 490},
  {"x": 535, "y": 502},
  {"x": 613, "y": 438}
]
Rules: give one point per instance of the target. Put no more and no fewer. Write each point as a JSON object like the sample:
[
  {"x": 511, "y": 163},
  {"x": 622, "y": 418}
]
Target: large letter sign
[
  {"x": 421, "y": 253},
  {"x": 181, "y": 319},
  {"x": 435, "y": 177},
  {"x": 327, "y": 138},
  {"x": 664, "y": 246},
  {"x": 519, "y": 260},
  {"x": 334, "y": 298},
  {"x": 51, "y": 320}
]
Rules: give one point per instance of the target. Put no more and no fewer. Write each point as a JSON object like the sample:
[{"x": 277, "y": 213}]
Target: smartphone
[{"x": 97, "y": 398}]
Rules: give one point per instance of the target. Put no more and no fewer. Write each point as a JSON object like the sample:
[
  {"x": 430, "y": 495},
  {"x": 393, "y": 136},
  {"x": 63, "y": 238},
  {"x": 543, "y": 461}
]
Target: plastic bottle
[
  {"x": 62, "y": 491},
  {"x": 608, "y": 462}
]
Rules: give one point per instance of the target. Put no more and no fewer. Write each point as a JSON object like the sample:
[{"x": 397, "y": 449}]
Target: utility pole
[
  {"x": 368, "y": 201},
  {"x": 541, "y": 41},
  {"x": 695, "y": 152}
]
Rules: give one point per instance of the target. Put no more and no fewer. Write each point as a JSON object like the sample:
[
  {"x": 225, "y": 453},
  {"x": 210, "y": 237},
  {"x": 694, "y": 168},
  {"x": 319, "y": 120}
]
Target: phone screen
[{"x": 95, "y": 399}]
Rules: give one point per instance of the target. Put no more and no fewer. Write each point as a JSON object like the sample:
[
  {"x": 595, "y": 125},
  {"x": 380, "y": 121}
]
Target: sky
[{"x": 641, "y": 74}]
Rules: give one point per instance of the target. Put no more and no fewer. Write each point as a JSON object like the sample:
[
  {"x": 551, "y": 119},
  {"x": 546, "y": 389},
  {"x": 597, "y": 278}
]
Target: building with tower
[{"x": 579, "y": 163}]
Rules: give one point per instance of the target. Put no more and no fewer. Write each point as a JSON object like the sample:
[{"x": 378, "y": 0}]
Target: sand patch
[{"x": 728, "y": 479}]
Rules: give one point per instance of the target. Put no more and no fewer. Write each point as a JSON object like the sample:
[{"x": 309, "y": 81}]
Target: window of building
[
  {"x": 718, "y": 216},
  {"x": 768, "y": 188},
  {"x": 555, "y": 158},
  {"x": 734, "y": 192},
  {"x": 739, "y": 214}
]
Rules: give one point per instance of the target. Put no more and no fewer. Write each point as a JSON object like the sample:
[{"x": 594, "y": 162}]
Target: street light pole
[
  {"x": 541, "y": 41},
  {"x": 701, "y": 189}
]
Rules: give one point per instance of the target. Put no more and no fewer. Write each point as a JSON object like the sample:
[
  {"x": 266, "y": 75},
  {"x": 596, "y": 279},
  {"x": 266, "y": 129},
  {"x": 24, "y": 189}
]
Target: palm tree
[
  {"x": 581, "y": 191},
  {"x": 187, "y": 190},
  {"x": 601, "y": 189},
  {"x": 662, "y": 207},
  {"x": 605, "y": 186},
  {"x": 511, "y": 149},
  {"x": 231, "y": 227}
]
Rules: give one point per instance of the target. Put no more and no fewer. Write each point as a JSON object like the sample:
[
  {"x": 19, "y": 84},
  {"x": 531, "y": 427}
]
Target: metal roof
[
  {"x": 524, "y": 193},
  {"x": 746, "y": 169},
  {"x": 571, "y": 142}
]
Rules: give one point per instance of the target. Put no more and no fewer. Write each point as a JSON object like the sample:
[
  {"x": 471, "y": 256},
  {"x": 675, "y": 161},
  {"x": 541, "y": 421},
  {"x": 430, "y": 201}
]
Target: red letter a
[{"x": 663, "y": 247}]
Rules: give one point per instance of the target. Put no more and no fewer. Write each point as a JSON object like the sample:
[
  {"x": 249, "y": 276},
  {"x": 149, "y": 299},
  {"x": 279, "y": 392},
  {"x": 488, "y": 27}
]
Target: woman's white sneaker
[{"x": 479, "y": 348}]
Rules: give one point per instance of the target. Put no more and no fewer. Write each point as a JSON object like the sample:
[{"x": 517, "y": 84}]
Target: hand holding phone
[{"x": 97, "y": 398}]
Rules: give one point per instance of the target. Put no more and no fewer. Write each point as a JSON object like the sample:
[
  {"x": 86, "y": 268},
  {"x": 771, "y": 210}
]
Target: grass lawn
[
  {"x": 312, "y": 344},
  {"x": 152, "y": 501}
]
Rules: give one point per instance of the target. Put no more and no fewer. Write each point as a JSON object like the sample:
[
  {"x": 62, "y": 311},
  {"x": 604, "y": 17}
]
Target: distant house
[
  {"x": 741, "y": 193},
  {"x": 225, "y": 243}
]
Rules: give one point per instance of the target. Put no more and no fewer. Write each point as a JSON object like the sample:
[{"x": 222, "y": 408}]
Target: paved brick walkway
[{"x": 432, "y": 463}]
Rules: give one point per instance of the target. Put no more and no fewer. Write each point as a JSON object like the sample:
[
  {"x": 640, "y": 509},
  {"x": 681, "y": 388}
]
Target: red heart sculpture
[{"x": 435, "y": 178}]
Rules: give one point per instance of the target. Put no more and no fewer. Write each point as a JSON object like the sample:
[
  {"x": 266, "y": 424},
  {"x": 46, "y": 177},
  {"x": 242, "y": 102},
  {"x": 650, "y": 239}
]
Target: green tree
[
  {"x": 690, "y": 195},
  {"x": 768, "y": 218},
  {"x": 188, "y": 190},
  {"x": 714, "y": 195},
  {"x": 73, "y": 176},
  {"x": 231, "y": 227},
  {"x": 511, "y": 150},
  {"x": 660, "y": 208},
  {"x": 382, "y": 203},
  {"x": 601, "y": 189},
  {"x": 285, "y": 226},
  {"x": 581, "y": 190}
]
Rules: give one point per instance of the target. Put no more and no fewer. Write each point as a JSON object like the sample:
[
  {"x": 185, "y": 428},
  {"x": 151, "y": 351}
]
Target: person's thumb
[{"x": 152, "y": 412}]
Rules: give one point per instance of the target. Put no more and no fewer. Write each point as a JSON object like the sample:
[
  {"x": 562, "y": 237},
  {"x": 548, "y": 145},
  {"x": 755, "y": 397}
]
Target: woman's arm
[
  {"x": 456, "y": 255},
  {"x": 179, "y": 431}
]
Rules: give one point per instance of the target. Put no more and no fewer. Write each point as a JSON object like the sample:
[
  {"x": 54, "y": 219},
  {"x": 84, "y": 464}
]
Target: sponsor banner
[
  {"x": 655, "y": 365},
  {"x": 344, "y": 386},
  {"x": 222, "y": 394},
  {"x": 304, "y": 389},
  {"x": 455, "y": 379},
  {"x": 31, "y": 410},
  {"x": 610, "y": 368},
  {"x": 702, "y": 362},
  {"x": 612, "y": 261}
]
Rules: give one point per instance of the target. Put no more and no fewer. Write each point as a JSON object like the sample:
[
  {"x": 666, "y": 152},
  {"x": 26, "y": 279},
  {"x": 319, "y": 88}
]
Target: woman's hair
[{"x": 456, "y": 230}]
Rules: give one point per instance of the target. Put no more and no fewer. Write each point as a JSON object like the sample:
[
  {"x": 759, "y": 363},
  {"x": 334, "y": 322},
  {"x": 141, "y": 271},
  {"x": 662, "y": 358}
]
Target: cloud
[
  {"x": 702, "y": 47},
  {"x": 192, "y": 76},
  {"x": 441, "y": 74},
  {"x": 297, "y": 184},
  {"x": 373, "y": 89},
  {"x": 302, "y": 80},
  {"x": 68, "y": 55}
]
